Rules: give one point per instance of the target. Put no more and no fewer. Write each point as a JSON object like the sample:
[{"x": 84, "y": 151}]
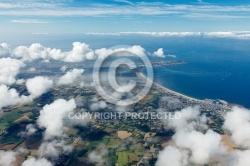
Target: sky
[{"x": 103, "y": 16}]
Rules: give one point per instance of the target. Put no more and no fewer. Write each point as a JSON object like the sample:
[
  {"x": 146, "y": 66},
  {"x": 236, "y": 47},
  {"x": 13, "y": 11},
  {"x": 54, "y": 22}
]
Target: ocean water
[{"x": 216, "y": 68}]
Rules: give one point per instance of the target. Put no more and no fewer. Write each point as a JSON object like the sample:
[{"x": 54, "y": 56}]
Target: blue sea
[{"x": 216, "y": 68}]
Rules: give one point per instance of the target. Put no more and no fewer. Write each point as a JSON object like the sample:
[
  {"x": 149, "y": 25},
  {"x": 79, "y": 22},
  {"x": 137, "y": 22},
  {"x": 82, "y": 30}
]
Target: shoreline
[{"x": 142, "y": 76}]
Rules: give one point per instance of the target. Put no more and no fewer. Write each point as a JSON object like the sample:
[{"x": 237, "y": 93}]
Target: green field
[
  {"x": 9, "y": 117},
  {"x": 123, "y": 158}
]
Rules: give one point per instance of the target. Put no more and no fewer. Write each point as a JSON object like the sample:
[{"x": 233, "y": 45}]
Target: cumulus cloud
[
  {"x": 136, "y": 49},
  {"x": 103, "y": 52},
  {"x": 159, "y": 53},
  {"x": 20, "y": 81},
  {"x": 29, "y": 130},
  {"x": 52, "y": 117},
  {"x": 237, "y": 122},
  {"x": 70, "y": 77},
  {"x": 4, "y": 50},
  {"x": 98, "y": 105},
  {"x": 79, "y": 52},
  {"x": 54, "y": 148},
  {"x": 205, "y": 147},
  {"x": 98, "y": 157},
  {"x": 10, "y": 97},
  {"x": 122, "y": 51},
  {"x": 201, "y": 147},
  {"x": 190, "y": 117},
  {"x": 35, "y": 51},
  {"x": 239, "y": 158},
  {"x": 7, "y": 158},
  {"x": 171, "y": 156},
  {"x": 38, "y": 85},
  {"x": 55, "y": 119},
  {"x": 37, "y": 162},
  {"x": 9, "y": 68}
]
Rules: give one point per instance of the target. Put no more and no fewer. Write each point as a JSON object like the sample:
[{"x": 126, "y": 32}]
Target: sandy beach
[{"x": 142, "y": 76}]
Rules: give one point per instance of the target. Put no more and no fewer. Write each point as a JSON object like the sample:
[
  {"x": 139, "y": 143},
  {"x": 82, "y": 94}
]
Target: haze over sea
[{"x": 216, "y": 68}]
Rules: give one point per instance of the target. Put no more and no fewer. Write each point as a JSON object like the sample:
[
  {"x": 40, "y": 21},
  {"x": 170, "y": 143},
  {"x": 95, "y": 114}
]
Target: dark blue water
[
  {"x": 215, "y": 80},
  {"x": 216, "y": 68}
]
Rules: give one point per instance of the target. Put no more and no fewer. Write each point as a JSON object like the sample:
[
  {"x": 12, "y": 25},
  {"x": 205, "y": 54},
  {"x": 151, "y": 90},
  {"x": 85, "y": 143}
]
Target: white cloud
[
  {"x": 40, "y": 33},
  {"x": 51, "y": 8},
  {"x": 163, "y": 34},
  {"x": 32, "y": 69},
  {"x": 7, "y": 158},
  {"x": 135, "y": 50},
  {"x": 239, "y": 158},
  {"x": 38, "y": 86},
  {"x": 237, "y": 122},
  {"x": 52, "y": 117},
  {"x": 64, "y": 68},
  {"x": 98, "y": 105},
  {"x": 98, "y": 156},
  {"x": 54, "y": 148},
  {"x": 37, "y": 162},
  {"x": 219, "y": 34},
  {"x": 203, "y": 147},
  {"x": 9, "y": 68},
  {"x": 171, "y": 55},
  {"x": 124, "y": 1},
  {"x": 104, "y": 34},
  {"x": 55, "y": 119},
  {"x": 229, "y": 34},
  {"x": 190, "y": 117},
  {"x": 4, "y": 50},
  {"x": 159, "y": 53},
  {"x": 16, "y": 4},
  {"x": 192, "y": 146},
  {"x": 20, "y": 81},
  {"x": 29, "y": 130},
  {"x": 29, "y": 21},
  {"x": 10, "y": 97},
  {"x": 35, "y": 51},
  {"x": 222, "y": 34},
  {"x": 80, "y": 52},
  {"x": 70, "y": 77},
  {"x": 171, "y": 156}
]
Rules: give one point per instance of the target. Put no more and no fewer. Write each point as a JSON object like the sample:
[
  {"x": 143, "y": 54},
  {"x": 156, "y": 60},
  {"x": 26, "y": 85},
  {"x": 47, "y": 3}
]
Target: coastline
[{"x": 142, "y": 76}]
